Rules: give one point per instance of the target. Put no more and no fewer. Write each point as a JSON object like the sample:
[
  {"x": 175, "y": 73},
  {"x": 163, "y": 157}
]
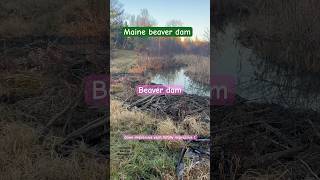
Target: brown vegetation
[
  {"x": 149, "y": 159},
  {"x": 154, "y": 63},
  {"x": 23, "y": 156},
  {"x": 286, "y": 33},
  {"x": 45, "y": 126},
  {"x": 265, "y": 141},
  {"x": 42, "y": 18},
  {"x": 198, "y": 67}
]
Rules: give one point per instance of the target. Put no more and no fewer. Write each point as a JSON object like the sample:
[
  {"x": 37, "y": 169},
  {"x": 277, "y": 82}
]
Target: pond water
[{"x": 176, "y": 76}]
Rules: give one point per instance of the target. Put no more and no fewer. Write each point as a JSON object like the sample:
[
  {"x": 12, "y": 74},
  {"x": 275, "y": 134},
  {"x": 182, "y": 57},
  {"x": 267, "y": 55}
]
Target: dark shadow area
[
  {"x": 272, "y": 129},
  {"x": 47, "y": 129}
]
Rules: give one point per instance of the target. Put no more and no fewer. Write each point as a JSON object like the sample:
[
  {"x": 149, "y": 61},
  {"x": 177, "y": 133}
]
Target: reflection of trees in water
[
  {"x": 285, "y": 34},
  {"x": 177, "y": 77},
  {"x": 286, "y": 31},
  {"x": 284, "y": 85},
  {"x": 168, "y": 76}
]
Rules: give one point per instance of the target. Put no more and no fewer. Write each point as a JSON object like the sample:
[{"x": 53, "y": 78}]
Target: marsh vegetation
[
  {"x": 271, "y": 47},
  {"x": 47, "y": 48}
]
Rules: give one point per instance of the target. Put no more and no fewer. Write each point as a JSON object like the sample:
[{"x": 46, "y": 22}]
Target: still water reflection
[
  {"x": 258, "y": 78},
  {"x": 177, "y": 76}
]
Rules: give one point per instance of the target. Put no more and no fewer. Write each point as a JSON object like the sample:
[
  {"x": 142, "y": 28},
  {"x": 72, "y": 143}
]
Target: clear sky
[{"x": 194, "y": 13}]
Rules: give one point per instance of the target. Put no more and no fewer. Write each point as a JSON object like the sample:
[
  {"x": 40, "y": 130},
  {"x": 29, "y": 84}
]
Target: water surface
[{"x": 176, "y": 76}]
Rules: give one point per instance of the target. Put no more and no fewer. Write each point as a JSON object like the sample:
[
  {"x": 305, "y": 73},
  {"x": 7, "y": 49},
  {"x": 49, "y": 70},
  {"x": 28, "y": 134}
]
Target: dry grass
[
  {"x": 122, "y": 61},
  {"x": 186, "y": 59},
  {"x": 285, "y": 33},
  {"x": 168, "y": 127},
  {"x": 23, "y": 156},
  {"x": 155, "y": 63},
  {"x": 199, "y": 171},
  {"x": 198, "y": 67},
  {"x": 137, "y": 69},
  {"x": 129, "y": 121},
  {"x": 116, "y": 88},
  {"x": 23, "y": 84},
  {"x": 194, "y": 126},
  {"x": 88, "y": 24},
  {"x": 43, "y": 17},
  {"x": 149, "y": 160}
]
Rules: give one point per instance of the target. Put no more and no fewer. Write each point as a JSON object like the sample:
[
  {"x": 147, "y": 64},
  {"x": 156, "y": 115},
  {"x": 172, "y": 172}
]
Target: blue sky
[{"x": 194, "y": 13}]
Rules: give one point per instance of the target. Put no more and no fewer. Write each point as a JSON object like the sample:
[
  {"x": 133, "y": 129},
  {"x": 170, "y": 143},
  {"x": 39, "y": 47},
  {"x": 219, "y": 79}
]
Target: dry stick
[
  {"x": 236, "y": 127},
  {"x": 302, "y": 161},
  {"x": 66, "y": 124},
  {"x": 274, "y": 156},
  {"x": 139, "y": 101},
  {"x": 71, "y": 105},
  {"x": 196, "y": 110},
  {"x": 126, "y": 100},
  {"x": 148, "y": 102},
  {"x": 101, "y": 121},
  {"x": 278, "y": 133},
  {"x": 275, "y": 142},
  {"x": 26, "y": 114},
  {"x": 259, "y": 111},
  {"x": 309, "y": 168}
]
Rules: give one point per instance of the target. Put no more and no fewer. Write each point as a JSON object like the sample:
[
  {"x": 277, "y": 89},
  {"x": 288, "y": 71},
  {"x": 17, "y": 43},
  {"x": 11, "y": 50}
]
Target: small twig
[
  {"x": 66, "y": 124},
  {"x": 270, "y": 157},
  {"x": 101, "y": 121},
  {"x": 309, "y": 168},
  {"x": 303, "y": 162},
  {"x": 71, "y": 105},
  {"x": 52, "y": 120},
  {"x": 278, "y": 133}
]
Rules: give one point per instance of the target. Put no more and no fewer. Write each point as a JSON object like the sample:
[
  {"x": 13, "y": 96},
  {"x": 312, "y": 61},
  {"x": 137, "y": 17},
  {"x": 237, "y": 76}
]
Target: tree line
[{"x": 156, "y": 46}]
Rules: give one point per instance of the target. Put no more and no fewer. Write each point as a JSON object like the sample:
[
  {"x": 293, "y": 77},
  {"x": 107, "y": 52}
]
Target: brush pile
[
  {"x": 175, "y": 107},
  {"x": 252, "y": 140},
  {"x": 42, "y": 84}
]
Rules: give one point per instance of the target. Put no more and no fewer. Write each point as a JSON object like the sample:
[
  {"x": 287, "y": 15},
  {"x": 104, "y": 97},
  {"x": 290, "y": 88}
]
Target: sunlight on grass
[
  {"x": 24, "y": 157},
  {"x": 149, "y": 159},
  {"x": 122, "y": 60}
]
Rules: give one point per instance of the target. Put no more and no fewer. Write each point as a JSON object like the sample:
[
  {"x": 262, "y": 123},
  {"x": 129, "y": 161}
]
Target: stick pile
[
  {"x": 175, "y": 107},
  {"x": 253, "y": 137}
]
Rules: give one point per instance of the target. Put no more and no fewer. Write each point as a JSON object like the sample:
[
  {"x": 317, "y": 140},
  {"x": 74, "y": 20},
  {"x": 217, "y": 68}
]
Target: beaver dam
[
  {"x": 251, "y": 138},
  {"x": 247, "y": 137},
  {"x": 176, "y": 107}
]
